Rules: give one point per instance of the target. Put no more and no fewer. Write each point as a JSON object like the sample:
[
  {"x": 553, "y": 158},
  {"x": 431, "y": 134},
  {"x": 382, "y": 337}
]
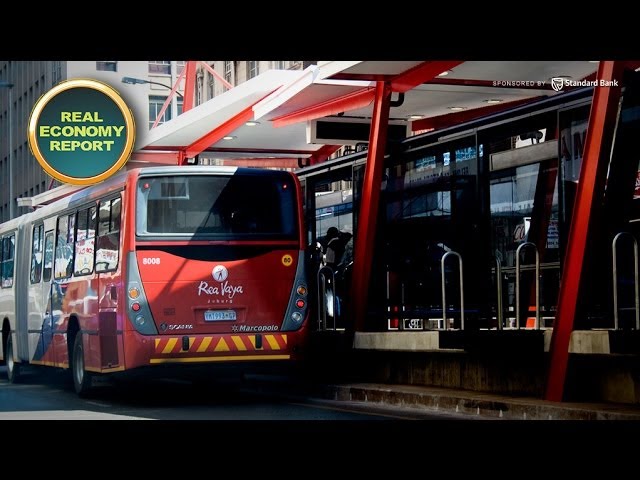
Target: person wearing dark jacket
[{"x": 336, "y": 242}]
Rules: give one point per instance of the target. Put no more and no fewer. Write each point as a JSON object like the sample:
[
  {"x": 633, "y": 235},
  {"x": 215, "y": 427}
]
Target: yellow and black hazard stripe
[{"x": 223, "y": 347}]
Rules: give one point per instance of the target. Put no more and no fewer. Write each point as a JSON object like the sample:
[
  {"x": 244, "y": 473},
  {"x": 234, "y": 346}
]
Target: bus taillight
[
  {"x": 140, "y": 320},
  {"x": 140, "y": 313}
]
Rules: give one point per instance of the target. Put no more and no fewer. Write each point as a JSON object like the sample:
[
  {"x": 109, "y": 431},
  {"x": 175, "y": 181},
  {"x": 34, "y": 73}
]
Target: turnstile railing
[
  {"x": 444, "y": 289},
  {"x": 614, "y": 271},
  {"x": 518, "y": 266},
  {"x": 327, "y": 297}
]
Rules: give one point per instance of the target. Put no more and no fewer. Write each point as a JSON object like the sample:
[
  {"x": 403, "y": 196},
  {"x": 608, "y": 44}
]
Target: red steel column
[
  {"x": 189, "y": 85},
  {"x": 368, "y": 216},
  {"x": 599, "y": 139}
]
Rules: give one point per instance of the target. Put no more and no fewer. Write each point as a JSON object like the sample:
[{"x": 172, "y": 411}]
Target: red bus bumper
[{"x": 141, "y": 350}]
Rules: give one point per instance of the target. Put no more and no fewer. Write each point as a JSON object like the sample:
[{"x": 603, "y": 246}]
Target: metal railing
[
  {"x": 614, "y": 271},
  {"x": 518, "y": 251},
  {"x": 444, "y": 290},
  {"x": 326, "y": 284},
  {"x": 499, "y": 307}
]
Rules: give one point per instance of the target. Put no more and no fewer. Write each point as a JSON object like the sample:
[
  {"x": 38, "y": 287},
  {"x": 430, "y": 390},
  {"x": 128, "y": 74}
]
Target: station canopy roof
[
  {"x": 280, "y": 105},
  {"x": 283, "y": 104}
]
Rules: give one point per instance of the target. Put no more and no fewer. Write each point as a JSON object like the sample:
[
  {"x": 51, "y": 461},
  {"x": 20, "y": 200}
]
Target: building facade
[
  {"x": 31, "y": 79},
  {"x": 236, "y": 72}
]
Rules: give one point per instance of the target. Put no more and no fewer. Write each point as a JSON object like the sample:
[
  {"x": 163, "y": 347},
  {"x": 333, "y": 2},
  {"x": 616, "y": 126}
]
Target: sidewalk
[
  {"x": 463, "y": 401},
  {"x": 483, "y": 404}
]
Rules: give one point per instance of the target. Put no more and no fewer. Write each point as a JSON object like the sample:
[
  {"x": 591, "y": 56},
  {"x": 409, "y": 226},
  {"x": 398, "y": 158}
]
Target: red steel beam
[
  {"x": 189, "y": 85},
  {"x": 363, "y": 77},
  {"x": 216, "y": 75},
  {"x": 141, "y": 159},
  {"x": 218, "y": 133},
  {"x": 420, "y": 74},
  {"x": 598, "y": 142},
  {"x": 449, "y": 119},
  {"x": 261, "y": 162},
  {"x": 168, "y": 100},
  {"x": 367, "y": 219},
  {"x": 351, "y": 101},
  {"x": 263, "y": 152},
  {"x": 323, "y": 153}
]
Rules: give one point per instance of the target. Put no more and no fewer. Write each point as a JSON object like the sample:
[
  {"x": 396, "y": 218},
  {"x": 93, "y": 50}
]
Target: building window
[
  {"x": 56, "y": 73},
  {"x": 199, "y": 87},
  {"x": 210, "y": 86},
  {"x": 228, "y": 69},
  {"x": 295, "y": 65},
  {"x": 279, "y": 64},
  {"x": 155, "y": 105},
  {"x": 160, "y": 66},
  {"x": 252, "y": 69},
  {"x": 180, "y": 66},
  {"x": 107, "y": 66},
  {"x": 179, "y": 105}
]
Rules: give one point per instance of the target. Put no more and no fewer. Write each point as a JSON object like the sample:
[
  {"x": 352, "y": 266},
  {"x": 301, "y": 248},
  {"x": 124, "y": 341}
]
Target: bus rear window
[{"x": 217, "y": 206}]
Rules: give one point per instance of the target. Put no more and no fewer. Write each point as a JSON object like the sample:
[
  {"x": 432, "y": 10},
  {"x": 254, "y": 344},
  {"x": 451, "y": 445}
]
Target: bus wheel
[
  {"x": 81, "y": 378},
  {"x": 13, "y": 368}
]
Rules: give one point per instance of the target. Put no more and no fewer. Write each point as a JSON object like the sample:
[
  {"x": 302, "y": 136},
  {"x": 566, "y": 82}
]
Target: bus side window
[
  {"x": 8, "y": 243},
  {"x": 48, "y": 256},
  {"x": 36, "y": 254},
  {"x": 84, "y": 247},
  {"x": 64, "y": 250},
  {"x": 107, "y": 251}
]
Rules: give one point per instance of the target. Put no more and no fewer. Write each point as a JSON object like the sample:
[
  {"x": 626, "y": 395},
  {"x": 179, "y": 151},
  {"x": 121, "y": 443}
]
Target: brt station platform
[{"x": 500, "y": 195}]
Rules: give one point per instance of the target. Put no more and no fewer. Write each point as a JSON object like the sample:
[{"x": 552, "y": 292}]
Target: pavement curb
[{"x": 510, "y": 408}]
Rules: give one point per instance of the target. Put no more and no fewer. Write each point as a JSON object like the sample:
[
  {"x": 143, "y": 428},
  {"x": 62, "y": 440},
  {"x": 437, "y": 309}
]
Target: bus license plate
[{"x": 219, "y": 315}]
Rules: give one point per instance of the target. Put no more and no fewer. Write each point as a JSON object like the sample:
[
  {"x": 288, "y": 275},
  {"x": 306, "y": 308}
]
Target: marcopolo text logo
[{"x": 81, "y": 131}]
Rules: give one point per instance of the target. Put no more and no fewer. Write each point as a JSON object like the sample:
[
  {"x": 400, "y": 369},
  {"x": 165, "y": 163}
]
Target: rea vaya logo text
[{"x": 222, "y": 287}]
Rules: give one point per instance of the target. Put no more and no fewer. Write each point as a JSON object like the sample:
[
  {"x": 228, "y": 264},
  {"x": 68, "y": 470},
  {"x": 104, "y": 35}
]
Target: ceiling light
[
  {"x": 252, "y": 123},
  {"x": 493, "y": 101},
  {"x": 416, "y": 117},
  {"x": 457, "y": 109},
  {"x": 229, "y": 137},
  {"x": 445, "y": 73}
]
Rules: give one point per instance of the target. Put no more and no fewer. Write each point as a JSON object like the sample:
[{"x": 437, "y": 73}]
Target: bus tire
[
  {"x": 82, "y": 380},
  {"x": 13, "y": 368}
]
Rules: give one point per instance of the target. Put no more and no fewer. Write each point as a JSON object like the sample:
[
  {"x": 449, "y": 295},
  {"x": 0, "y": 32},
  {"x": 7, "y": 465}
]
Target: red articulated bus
[{"x": 159, "y": 265}]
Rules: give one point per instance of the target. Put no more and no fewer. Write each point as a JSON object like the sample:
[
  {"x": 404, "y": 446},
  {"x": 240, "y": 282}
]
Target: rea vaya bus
[{"x": 161, "y": 265}]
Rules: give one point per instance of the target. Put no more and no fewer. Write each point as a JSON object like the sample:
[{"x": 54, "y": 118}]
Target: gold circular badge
[
  {"x": 287, "y": 260},
  {"x": 81, "y": 131}
]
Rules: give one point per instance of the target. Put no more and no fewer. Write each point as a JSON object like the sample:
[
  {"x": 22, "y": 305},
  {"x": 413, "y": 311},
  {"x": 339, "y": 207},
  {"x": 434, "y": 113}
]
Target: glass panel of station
[
  {"x": 523, "y": 214},
  {"x": 329, "y": 203},
  {"x": 430, "y": 205},
  {"x": 483, "y": 195}
]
